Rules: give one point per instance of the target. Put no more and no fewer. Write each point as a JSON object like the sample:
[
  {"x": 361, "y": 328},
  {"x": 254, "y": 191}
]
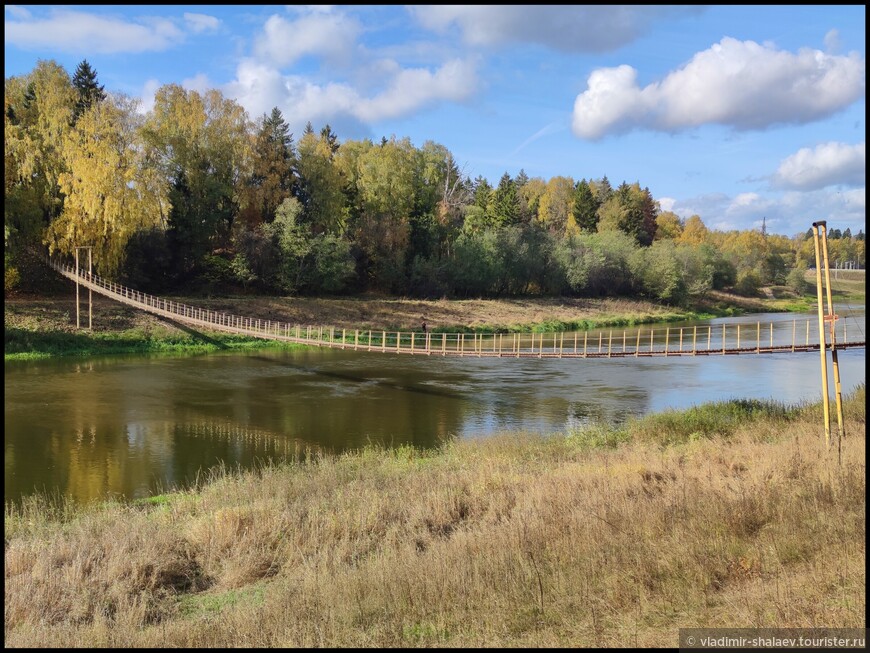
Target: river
[{"x": 131, "y": 427}]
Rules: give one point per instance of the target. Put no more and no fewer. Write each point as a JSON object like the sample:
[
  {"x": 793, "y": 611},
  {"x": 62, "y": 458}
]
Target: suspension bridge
[{"x": 799, "y": 335}]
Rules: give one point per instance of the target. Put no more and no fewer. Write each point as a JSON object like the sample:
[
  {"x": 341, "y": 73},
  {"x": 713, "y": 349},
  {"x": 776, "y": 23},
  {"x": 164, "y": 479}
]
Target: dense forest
[{"x": 193, "y": 195}]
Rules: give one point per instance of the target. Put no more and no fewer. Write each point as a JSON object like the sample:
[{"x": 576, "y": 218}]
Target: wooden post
[
  {"x": 609, "y": 342},
  {"x": 667, "y": 338},
  {"x": 694, "y": 340},
  {"x": 78, "y": 320},
  {"x": 600, "y": 336},
  {"x": 651, "y": 337},
  {"x": 681, "y": 339},
  {"x": 723, "y": 339},
  {"x": 561, "y": 344},
  {"x": 90, "y": 291},
  {"x": 637, "y": 346},
  {"x": 575, "y": 342},
  {"x": 585, "y": 337},
  {"x": 462, "y": 345},
  {"x": 623, "y": 341}
]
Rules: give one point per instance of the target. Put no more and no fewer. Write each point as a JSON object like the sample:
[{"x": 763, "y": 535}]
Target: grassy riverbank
[{"x": 726, "y": 515}]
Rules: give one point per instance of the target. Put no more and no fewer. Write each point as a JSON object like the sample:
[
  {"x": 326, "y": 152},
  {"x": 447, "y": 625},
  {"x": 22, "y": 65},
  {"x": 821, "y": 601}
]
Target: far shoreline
[{"x": 44, "y": 326}]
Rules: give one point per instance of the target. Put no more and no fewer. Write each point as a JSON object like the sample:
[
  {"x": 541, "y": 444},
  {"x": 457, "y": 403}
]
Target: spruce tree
[{"x": 90, "y": 92}]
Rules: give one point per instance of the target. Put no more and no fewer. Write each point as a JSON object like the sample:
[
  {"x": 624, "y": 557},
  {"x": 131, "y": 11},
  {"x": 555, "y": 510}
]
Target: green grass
[{"x": 26, "y": 344}]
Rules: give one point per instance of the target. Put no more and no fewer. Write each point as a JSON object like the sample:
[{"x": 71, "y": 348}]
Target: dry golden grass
[
  {"x": 58, "y": 313},
  {"x": 518, "y": 540}
]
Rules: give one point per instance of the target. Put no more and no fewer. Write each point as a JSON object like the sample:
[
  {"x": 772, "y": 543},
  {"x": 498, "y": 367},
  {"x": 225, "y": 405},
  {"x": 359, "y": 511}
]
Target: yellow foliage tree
[{"x": 110, "y": 190}]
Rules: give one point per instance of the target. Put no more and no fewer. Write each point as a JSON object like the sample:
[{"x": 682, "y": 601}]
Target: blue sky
[{"x": 734, "y": 113}]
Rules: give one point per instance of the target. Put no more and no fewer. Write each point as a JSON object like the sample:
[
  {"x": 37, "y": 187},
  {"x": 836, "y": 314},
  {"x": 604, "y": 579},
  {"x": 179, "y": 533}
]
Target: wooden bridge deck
[{"x": 757, "y": 338}]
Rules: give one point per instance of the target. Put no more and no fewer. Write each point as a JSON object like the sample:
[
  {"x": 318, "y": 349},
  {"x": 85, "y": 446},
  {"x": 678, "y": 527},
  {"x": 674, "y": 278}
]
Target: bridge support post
[{"x": 90, "y": 292}]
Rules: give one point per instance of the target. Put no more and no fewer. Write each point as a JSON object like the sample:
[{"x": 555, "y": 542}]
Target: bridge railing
[{"x": 713, "y": 339}]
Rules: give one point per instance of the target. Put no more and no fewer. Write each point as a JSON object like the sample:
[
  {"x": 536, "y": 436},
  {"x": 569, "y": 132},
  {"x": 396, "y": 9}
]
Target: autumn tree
[
  {"x": 694, "y": 232},
  {"x": 320, "y": 185},
  {"x": 109, "y": 192},
  {"x": 668, "y": 226},
  {"x": 201, "y": 144},
  {"x": 530, "y": 194},
  {"x": 272, "y": 178},
  {"x": 556, "y": 206}
]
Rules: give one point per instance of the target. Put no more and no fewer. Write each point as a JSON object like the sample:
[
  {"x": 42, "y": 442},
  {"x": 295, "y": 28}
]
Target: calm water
[{"x": 133, "y": 426}]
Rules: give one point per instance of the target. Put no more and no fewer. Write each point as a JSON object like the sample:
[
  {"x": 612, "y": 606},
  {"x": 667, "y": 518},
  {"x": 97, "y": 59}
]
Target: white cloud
[
  {"x": 260, "y": 87},
  {"x": 199, "y": 83},
  {"x": 667, "y": 203},
  {"x": 579, "y": 28},
  {"x": 413, "y": 88},
  {"x": 740, "y": 84},
  {"x": 787, "y": 213},
  {"x": 201, "y": 22},
  {"x": 75, "y": 31},
  {"x": 146, "y": 98},
  {"x": 832, "y": 41},
  {"x": 285, "y": 41},
  {"x": 314, "y": 9},
  {"x": 18, "y": 12},
  {"x": 827, "y": 164}
]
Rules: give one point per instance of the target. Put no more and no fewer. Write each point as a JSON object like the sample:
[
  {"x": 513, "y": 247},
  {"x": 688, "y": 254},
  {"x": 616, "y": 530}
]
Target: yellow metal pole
[
  {"x": 841, "y": 433},
  {"x": 825, "y": 400}
]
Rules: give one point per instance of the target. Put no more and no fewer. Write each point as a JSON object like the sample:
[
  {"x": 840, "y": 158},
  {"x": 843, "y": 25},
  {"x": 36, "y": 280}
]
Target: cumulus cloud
[
  {"x": 75, "y": 31},
  {"x": 827, "y": 164},
  {"x": 201, "y": 22},
  {"x": 259, "y": 87},
  {"x": 739, "y": 84},
  {"x": 283, "y": 41},
  {"x": 580, "y": 28}
]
